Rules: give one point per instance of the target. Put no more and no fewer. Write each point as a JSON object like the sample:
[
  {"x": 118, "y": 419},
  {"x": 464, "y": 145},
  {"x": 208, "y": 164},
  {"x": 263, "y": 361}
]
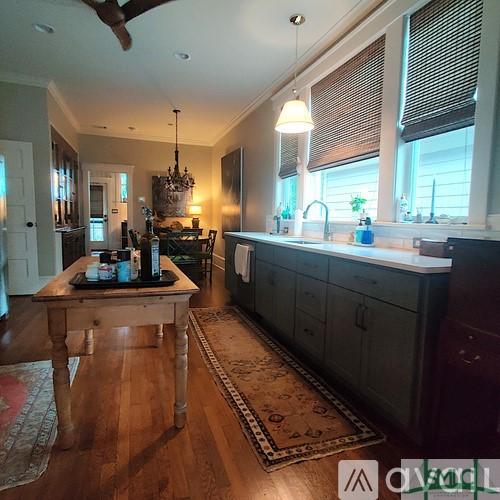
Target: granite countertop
[{"x": 406, "y": 260}]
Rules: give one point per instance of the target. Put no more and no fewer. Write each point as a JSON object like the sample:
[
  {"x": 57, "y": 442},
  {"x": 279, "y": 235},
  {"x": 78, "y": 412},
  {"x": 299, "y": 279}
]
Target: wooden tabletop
[{"x": 59, "y": 289}]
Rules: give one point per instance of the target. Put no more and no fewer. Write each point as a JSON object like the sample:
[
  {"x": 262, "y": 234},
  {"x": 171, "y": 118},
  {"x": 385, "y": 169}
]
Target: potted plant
[{"x": 357, "y": 205}]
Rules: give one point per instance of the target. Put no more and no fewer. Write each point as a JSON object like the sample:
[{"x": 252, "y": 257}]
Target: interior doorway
[{"x": 106, "y": 205}]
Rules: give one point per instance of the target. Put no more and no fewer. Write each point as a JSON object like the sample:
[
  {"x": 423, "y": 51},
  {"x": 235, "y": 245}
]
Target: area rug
[
  {"x": 287, "y": 413},
  {"x": 28, "y": 420}
]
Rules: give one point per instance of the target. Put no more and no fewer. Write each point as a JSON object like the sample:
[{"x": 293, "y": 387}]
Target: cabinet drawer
[
  {"x": 284, "y": 257},
  {"x": 311, "y": 296},
  {"x": 472, "y": 351},
  {"x": 313, "y": 264},
  {"x": 310, "y": 334},
  {"x": 264, "y": 252},
  {"x": 395, "y": 287}
]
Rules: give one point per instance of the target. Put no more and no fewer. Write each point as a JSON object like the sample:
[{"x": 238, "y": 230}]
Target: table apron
[{"x": 83, "y": 318}]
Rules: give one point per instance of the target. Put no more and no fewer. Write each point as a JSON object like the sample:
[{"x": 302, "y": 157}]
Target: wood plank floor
[{"x": 127, "y": 447}]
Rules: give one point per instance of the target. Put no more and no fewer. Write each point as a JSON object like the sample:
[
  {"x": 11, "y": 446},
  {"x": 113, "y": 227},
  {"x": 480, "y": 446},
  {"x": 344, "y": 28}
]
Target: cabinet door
[
  {"x": 389, "y": 358},
  {"x": 284, "y": 301},
  {"x": 230, "y": 277},
  {"x": 344, "y": 334},
  {"x": 264, "y": 290}
]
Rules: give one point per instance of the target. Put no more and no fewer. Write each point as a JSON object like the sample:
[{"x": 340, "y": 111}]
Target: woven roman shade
[
  {"x": 443, "y": 59},
  {"x": 289, "y": 150},
  {"x": 346, "y": 108}
]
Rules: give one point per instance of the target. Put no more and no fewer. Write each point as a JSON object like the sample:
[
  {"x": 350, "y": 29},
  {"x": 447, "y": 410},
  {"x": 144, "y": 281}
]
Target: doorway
[{"x": 106, "y": 206}]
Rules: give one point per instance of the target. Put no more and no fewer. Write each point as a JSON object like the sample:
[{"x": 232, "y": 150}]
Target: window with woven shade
[
  {"x": 289, "y": 151},
  {"x": 346, "y": 108},
  {"x": 443, "y": 60}
]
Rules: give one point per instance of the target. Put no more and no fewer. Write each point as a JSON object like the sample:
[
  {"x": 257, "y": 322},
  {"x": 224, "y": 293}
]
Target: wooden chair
[
  {"x": 207, "y": 255},
  {"x": 183, "y": 248}
]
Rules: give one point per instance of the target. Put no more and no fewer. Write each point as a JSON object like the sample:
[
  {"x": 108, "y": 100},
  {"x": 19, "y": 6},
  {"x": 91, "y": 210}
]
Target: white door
[
  {"x": 99, "y": 231},
  {"x": 22, "y": 250}
]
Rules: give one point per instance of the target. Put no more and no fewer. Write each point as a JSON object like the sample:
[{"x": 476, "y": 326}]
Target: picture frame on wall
[{"x": 232, "y": 177}]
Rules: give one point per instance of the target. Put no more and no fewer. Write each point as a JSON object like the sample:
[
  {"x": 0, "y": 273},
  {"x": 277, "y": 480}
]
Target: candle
[{"x": 433, "y": 199}]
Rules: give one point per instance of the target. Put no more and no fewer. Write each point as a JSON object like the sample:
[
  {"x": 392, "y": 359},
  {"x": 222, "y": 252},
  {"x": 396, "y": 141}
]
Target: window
[
  {"x": 447, "y": 160},
  {"x": 123, "y": 188},
  {"x": 288, "y": 196},
  {"x": 336, "y": 186}
]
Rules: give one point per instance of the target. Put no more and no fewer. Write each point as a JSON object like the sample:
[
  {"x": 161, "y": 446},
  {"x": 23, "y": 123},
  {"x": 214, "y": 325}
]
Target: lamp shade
[
  {"x": 294, "y": 118},
  {"x": 194, "y": 210}
]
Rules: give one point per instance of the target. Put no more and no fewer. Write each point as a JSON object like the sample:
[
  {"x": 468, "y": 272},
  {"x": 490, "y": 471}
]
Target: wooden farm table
[{"x": 70, "y": 309}]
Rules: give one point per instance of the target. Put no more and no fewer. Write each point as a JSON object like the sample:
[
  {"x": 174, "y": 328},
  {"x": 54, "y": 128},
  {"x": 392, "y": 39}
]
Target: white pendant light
[{"x": 295, "y": 118}]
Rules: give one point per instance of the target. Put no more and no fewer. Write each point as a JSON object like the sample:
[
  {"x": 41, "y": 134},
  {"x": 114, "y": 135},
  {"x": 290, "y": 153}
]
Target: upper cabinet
[{"x": 65, "y": 179}]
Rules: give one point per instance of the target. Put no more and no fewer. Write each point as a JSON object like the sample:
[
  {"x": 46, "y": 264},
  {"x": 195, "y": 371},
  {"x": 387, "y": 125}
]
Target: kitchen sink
[{"x": 304, "y": 242}]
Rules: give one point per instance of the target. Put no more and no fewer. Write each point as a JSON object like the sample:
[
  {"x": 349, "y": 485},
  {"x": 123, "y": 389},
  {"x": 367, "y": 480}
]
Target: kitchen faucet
[{"x": 326, "y": 231}]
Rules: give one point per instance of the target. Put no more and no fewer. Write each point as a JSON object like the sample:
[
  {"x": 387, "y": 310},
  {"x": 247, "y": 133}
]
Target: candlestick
[{"x": 432, "y": 218}]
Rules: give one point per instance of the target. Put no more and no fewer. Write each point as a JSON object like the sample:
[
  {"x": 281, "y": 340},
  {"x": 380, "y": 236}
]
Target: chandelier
[{"x": 175, "y": 181}]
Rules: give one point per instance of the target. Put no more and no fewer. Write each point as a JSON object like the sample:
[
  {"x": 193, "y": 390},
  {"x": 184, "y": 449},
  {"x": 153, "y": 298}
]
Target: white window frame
[{"x": 394, "y": 176}]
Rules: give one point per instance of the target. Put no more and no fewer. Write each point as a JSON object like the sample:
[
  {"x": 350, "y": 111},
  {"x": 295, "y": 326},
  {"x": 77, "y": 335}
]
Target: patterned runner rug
[
  {"x": 286, "y": 412},
  {"x": 28, "y": 421}
]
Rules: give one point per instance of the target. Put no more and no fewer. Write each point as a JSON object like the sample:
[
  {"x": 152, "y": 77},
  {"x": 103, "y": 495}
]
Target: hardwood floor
[{"x": 126, "y": 444}]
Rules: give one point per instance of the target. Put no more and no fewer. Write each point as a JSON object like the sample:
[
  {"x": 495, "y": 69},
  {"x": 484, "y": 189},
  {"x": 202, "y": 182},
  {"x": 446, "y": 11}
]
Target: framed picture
[
  {"x": 231, "y": 170},
  {"x": 168, "y": 203}
]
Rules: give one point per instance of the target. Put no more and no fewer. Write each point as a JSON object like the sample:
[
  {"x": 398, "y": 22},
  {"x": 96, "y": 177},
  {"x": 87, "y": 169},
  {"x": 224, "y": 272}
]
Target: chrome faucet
[{"x": 326, "y": 231}]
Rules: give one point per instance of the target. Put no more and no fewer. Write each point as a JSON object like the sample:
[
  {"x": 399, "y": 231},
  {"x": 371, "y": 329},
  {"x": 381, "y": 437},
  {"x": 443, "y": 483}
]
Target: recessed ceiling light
[
  {"x": 183, "y": 56},
  {"x": 102, "y": 127},
  {"x": 43, "y": 28}
]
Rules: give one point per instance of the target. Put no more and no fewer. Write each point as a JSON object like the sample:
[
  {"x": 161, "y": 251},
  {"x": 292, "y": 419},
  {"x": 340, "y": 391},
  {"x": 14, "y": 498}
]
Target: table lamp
[{"x": 195, "y": 210}]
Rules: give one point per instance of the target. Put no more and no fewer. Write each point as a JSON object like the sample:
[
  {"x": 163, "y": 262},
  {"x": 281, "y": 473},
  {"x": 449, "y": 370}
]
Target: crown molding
[
  {"x": 61, "y": 102},
  {"x": 140, "y": 137},
  {"x": 283, "y": 83},
  {"x": 20, "y": 79}
]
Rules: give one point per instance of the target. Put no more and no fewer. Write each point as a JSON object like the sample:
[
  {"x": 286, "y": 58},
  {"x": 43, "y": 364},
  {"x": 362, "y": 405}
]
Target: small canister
[
  {"x": 123, "y": 266},
  {"x": 106, "y": 269}
]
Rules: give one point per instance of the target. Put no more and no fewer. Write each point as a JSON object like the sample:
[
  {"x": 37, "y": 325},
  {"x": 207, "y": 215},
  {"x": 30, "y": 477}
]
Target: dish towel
[{"x": 242, "y": 261}]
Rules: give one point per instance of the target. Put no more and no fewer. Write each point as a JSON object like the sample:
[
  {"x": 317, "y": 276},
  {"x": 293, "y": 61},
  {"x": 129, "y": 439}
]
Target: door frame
[
  {"x": 93, "y": 168},
  {"x": 106, "y": 185}
]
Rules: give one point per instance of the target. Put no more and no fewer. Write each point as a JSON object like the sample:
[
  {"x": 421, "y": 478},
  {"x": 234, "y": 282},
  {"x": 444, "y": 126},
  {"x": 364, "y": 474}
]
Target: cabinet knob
[{"x": 30, "y": 224}]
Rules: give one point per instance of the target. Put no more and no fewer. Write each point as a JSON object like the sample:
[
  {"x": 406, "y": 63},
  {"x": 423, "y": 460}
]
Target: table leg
[
  {"x": 181, "y": 363},
  {"x": 60, "y": 376},
  {"x": 159, "y": 331},
  {"x": 89, "y": 341}
]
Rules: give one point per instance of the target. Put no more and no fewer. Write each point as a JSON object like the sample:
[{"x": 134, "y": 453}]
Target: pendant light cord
[
  {"x": 176, "y": 111},
  {"x": 296, "y": 58}
]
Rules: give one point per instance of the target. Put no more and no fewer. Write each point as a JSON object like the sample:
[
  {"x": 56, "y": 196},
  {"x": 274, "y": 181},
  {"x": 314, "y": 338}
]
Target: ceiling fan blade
[
  {"x": 123, "y": 35},
  {"x": 134, "y": 8}
]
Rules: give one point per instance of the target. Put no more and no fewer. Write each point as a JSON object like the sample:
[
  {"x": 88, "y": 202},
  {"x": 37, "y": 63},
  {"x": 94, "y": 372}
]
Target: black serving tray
[{"x": 168, "y": 278}]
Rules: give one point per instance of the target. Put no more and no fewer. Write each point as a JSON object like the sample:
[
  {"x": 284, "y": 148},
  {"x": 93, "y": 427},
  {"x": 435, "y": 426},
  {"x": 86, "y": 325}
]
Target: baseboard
[{"x": 219, "y": 261}]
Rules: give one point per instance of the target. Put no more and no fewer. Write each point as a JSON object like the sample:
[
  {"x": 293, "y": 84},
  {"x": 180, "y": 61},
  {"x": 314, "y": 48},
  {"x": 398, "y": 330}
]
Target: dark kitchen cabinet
[
  {"x": 264, "y": 290},
  {"x": 388, "y": 358},
  {"x": 275, "y": 296},
  {"x": 73, "y": 246},
  {"x": 243, "y": 293},
  {"x": 343, "y": 342}
]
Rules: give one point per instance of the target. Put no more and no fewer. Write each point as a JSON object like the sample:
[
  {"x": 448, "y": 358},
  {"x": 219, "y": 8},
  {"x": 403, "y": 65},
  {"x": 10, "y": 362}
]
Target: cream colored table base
[{"x": 70, "y": 309}]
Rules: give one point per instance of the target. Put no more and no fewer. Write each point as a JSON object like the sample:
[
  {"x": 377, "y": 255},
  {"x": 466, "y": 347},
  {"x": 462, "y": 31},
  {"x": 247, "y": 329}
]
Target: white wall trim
[
  {"x": 219, "y": 261},
  {"x": 58, "y": 97},
  {"x": 21, "y": 79},
  {"x": 87, "y": 168},
  {"x": 141, "y": 137},
  {"x": 485, "y": 130}
]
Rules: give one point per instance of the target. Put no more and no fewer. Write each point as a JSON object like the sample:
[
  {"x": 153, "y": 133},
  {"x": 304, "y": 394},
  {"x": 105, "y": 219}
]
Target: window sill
[{"x": 437, "y": 227}]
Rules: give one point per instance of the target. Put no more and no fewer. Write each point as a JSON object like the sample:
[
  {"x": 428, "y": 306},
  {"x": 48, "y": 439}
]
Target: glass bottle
[{"x": 150, "y": 254}]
